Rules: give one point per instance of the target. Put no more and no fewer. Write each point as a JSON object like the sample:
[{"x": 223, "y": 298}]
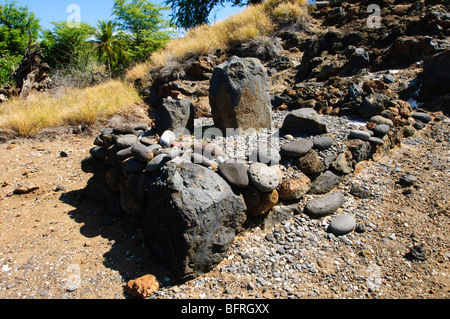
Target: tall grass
[
  {"x": 67, "y": 107},
  {"x": 255, "y": 21}
]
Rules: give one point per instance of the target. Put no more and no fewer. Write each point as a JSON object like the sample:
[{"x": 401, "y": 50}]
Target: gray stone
[
  {"x": 342, "y": 224},
  {"x": 132, "y": 165},
  {"x": 239, "y": 95},
  {"x": 200, "y": 159},
  {"x": 373, "y": 104},
  {"x": 191, "y": 219},
  {"x": 381, "y": 130},
  {"x": 324, "y": 205},
  {"x": 322, "y": 143},
  {"x": 265, "y": 154},
  {"x": 297, "y": 148},
  {"x": 343, "y": 163},
  {"x": 125, "y": 141},
  {"x": 263, "y": 177},
  {"x": 235, "y": 174},
  {"x": 408, "y": 180},
  {"x": 124, "y": 130},
  {"x": 157, "y": 162},
  {"x": 98, "y": 152},
  {"x": 408, "y": 131},
  {"x": 304, "y": 121},
  {"x": 376, "y": 141},
  {"x": 378, "y": 119},
  {"x": 124, "y": 154},
  {"x": 361, "y": 150},
  {"x": 422, "y": 116},
  {"x": 141, "y": 152},
  {"x": 325, "y": 182},
  {"x": 418, "y": 125},
  {"x": 362, "y": 135},
  {"x": 174, "y": 114}
]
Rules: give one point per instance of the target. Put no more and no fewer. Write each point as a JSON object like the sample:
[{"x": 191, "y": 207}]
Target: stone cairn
[{"x": 191, "y": 200}]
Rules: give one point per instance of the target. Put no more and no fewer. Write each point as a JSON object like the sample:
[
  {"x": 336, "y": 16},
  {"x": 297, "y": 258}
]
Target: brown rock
[
  {"x": 311, "y": 163},
  {"x": 25, "y": 188},
  {"x": 266, "y": 202},
  {"x": 142, "y": 287},
  {"x": 294, "y": 188}
]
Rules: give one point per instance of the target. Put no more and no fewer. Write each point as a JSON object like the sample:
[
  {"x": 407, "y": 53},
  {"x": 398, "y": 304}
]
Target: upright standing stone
[
  {"x": 173, "y": 115},
  {"x": 239, "y": 95}
]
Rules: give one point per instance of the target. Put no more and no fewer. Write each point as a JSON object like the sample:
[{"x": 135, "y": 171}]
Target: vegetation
[
  {"x": 191, "y": 13},
  {"x": 256, "y": 22},
  {"x": 67, "y": 107},
  {"x": 18, "y": 27},
  {"x": 86, "y": 62}
]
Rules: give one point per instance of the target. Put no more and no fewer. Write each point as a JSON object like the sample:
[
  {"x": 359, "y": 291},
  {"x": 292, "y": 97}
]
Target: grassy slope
[{"x": 87, "y": 106}]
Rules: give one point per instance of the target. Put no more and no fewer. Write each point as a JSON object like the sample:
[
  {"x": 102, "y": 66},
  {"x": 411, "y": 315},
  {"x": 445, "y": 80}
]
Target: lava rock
[
  {"x": 263, "y": 177},
  {"x": 235, "y": 174},
  {"x": 239, "y": 95},
  {"x": 191, "y": 219},
  {"x": 325, "y": 182},
  {"x": 304, "y": 121}
]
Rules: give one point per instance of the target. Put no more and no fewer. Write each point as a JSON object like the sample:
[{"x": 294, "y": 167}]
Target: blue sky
[{"x": 90, "y": 10}]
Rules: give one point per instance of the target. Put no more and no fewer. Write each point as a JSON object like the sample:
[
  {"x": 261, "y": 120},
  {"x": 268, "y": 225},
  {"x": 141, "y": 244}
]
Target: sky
[{"x": 91, "y": 11}]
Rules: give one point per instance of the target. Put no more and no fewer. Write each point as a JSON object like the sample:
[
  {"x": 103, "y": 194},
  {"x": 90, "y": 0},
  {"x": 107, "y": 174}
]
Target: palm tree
[{"x": 108, "y": 43}]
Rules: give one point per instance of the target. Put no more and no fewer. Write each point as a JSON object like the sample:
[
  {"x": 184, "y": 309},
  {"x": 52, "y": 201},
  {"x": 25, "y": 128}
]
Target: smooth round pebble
[
  {"x": 362, "y": 135},
  {"x": 342, "y": 224}
]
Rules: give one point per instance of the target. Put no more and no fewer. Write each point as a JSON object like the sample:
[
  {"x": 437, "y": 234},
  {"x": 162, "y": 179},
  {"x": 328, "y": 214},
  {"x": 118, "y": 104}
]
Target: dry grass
[
  {"x": 256, "y": 21},
  {"x": 67, "y": 107}
]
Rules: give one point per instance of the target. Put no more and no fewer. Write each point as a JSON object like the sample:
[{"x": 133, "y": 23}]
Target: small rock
[
  {"x": 167, "y": 138},
  {"x": 343, "y": 163},
  {"x": 359, "y": 191},
  {"x": 322, "y": 143},
  {"x": 157, "y": 162},
  {"x": 418, "y": 252},
  {"x": 25, "y": 188},
  {"x": 142, "y": 287},
  {"x": 419, "y": 125},
  {"x": 376, "y": 141},
  {"x": 342, "y": 224},
  {"x": 141, "y": 153},
  {"x": 197, "y": 158},
  {"x": 294, "y": 188},
  {"x": 126, "y": 141},
  {"x": 324, "y": 205},
  {"x": 422, "y": 117},
  {"x": 124, "y": 130},
  {"x": 235, "y": 174},
  {"x": 297, "y": 148},
  {"x": 311, "y": 163},
  {"x": 132, "y": 165},
  {"x": 408, "y": 131},
  {"x": 124, "y": 154},
  {"x": 381, "y": 130},
  {"x": 325, "y": 182},
  {"x": 362, "y": 135},
  {"x": 263, "y": 177},
  {"x": 267, "y": 201},
  {"x": 304, "y": 121},
  {"x": 408, "y": 180}
]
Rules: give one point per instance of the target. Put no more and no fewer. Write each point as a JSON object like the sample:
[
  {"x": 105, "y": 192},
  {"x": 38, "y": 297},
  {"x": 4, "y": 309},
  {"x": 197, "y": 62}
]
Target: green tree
[
  {"x": 143, "y": 21},
  {"x": 187, "y": 14},
  {"x": 64, "y": 46},
  {"x": 109, "y": 44},
  {"x": 17, "y": 24}
]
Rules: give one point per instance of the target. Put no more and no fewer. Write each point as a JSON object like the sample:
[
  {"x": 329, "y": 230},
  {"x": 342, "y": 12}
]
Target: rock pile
[{"x": 342, "y": 105}]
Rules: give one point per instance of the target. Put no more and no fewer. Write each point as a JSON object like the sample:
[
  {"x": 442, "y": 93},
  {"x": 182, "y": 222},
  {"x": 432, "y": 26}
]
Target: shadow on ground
[{"x": 128, "y": 254}]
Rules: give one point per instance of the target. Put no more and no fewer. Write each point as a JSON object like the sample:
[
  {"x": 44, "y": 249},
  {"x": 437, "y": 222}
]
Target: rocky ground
[{"x": 55, "y": 243}]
